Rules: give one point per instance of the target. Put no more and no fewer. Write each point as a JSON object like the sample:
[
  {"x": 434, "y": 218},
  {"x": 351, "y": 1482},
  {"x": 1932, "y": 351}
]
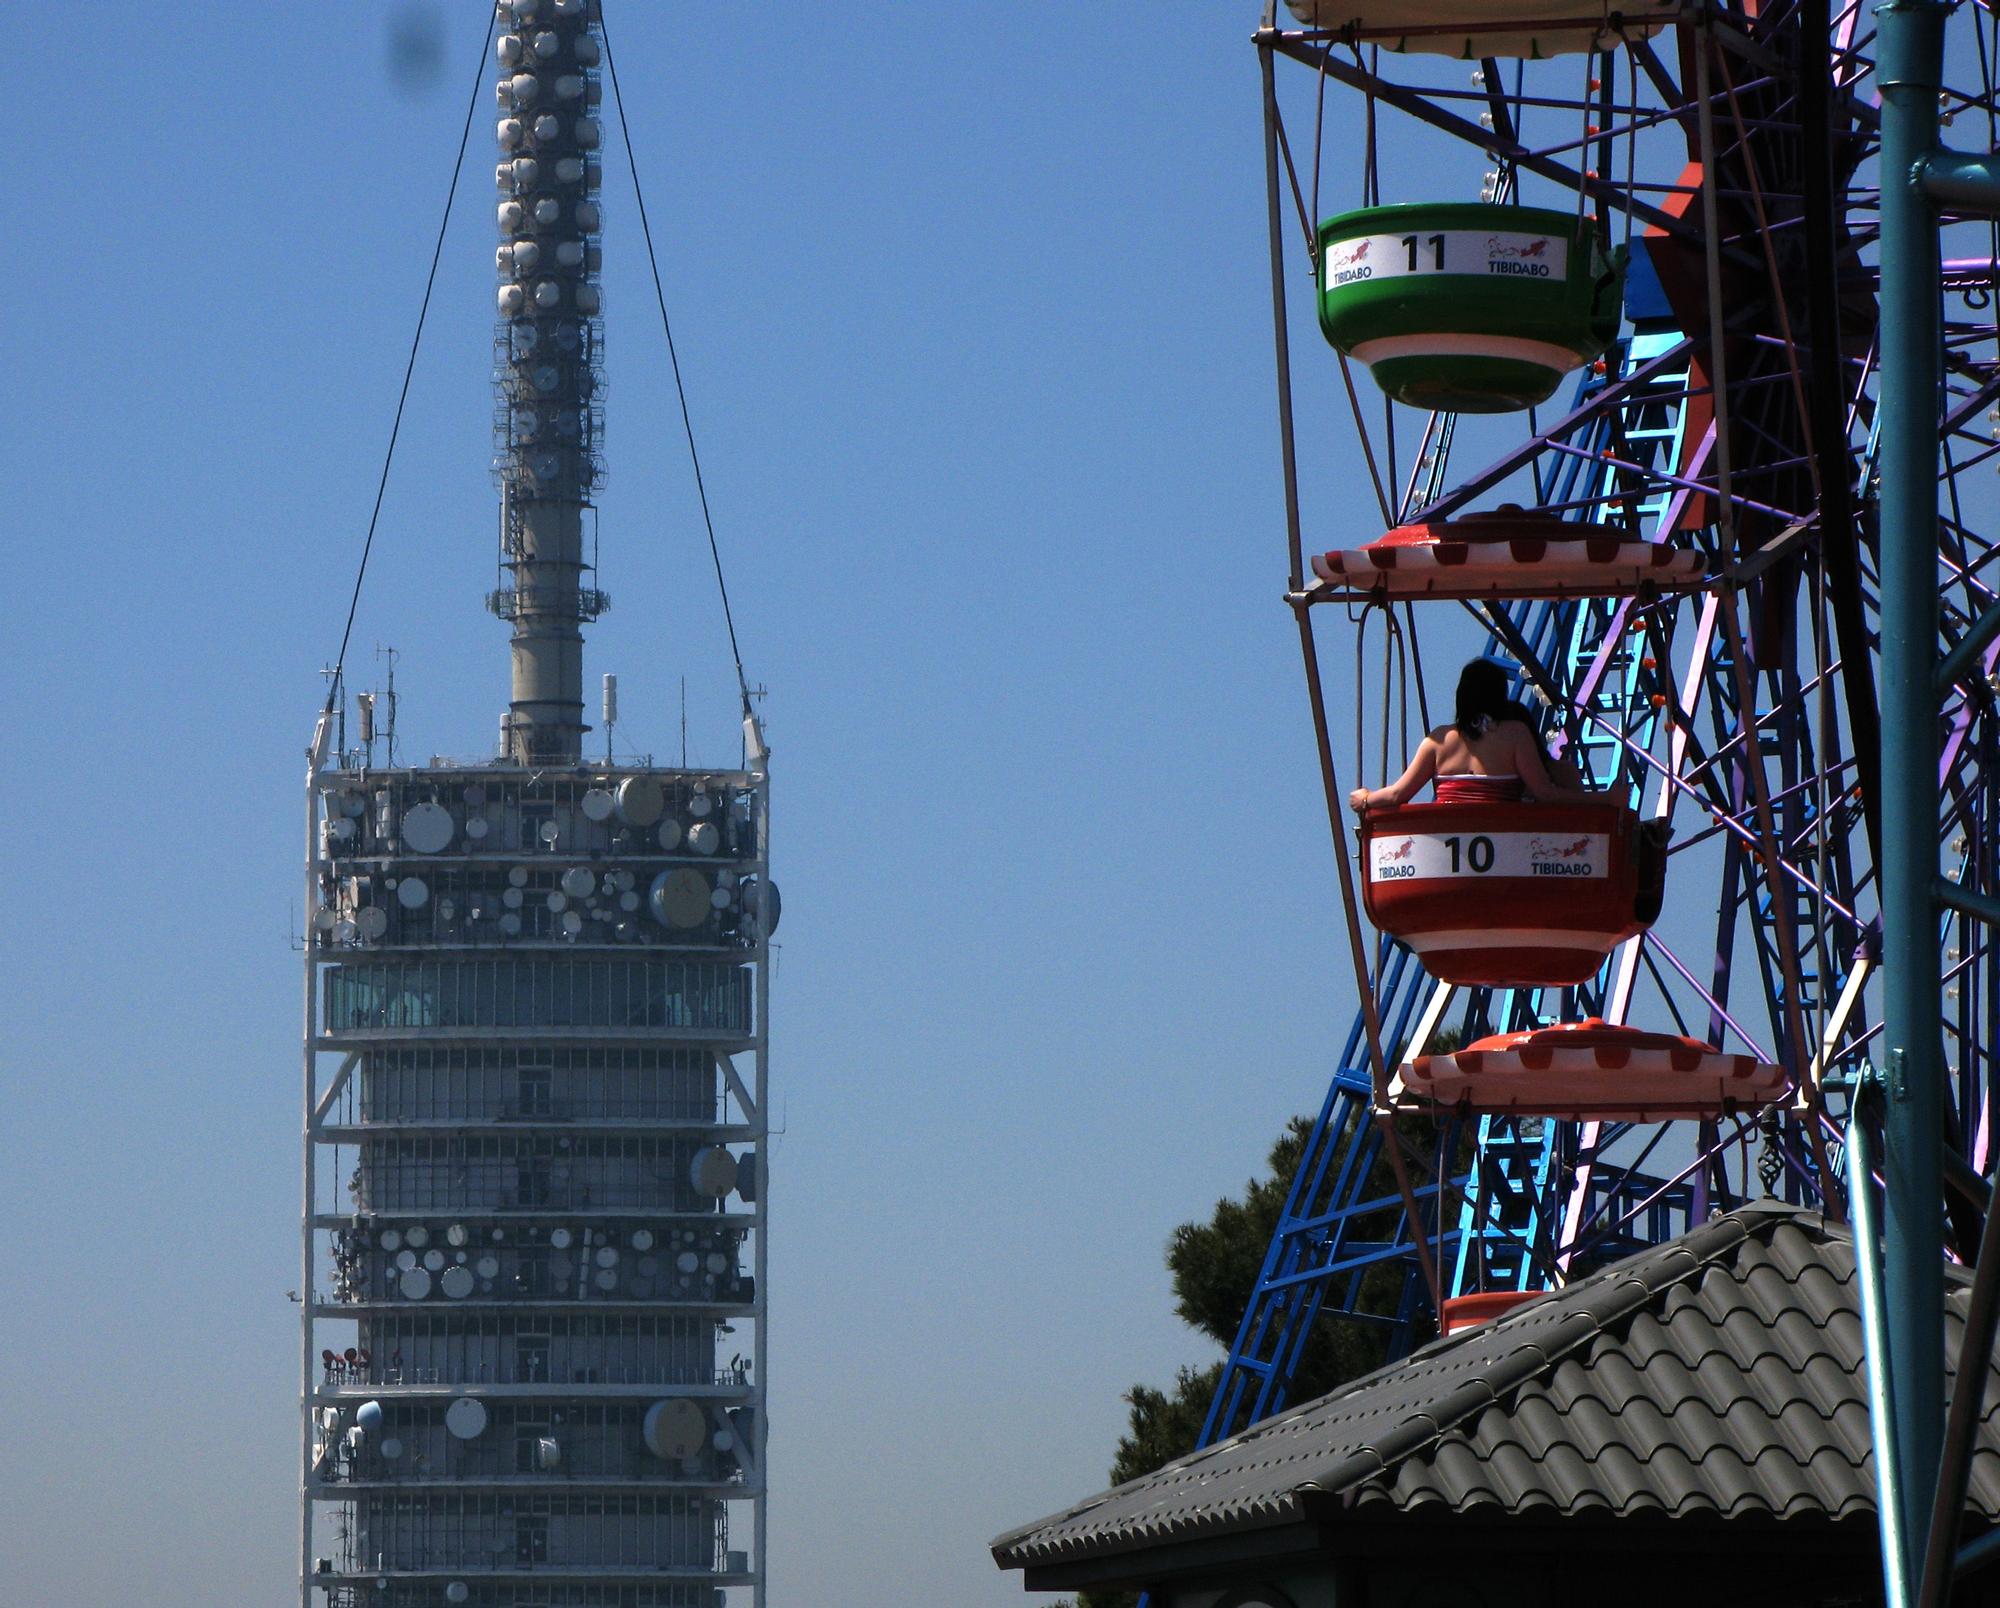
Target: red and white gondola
[
  {"x": 1506, "y": 552},
  {"x": 1511, "y": 895},
  {"x": 1592, "y": 1071}
]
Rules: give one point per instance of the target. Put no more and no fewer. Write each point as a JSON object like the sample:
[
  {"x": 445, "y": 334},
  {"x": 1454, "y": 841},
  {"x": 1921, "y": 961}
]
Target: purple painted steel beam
[
  {"x": 1736, "y": 498},
  {"x": 1612, "y": 395},
  {"x": 1709, "y": 999},
  {"x": 1703, "y": 1156}
]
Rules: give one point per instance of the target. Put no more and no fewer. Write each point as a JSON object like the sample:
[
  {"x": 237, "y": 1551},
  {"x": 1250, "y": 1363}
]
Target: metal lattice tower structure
[
  {"x": 1735, "y": 150},
  {"x": 535, "y": 1073}
]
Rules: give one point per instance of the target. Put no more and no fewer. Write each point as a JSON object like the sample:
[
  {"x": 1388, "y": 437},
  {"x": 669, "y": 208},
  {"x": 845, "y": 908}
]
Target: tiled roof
[{"x": 1718, "y": 1375}]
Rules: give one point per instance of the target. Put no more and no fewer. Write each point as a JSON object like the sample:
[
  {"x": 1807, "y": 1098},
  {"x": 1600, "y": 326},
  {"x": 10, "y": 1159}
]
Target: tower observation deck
[{"x": 535, "y": 1168}]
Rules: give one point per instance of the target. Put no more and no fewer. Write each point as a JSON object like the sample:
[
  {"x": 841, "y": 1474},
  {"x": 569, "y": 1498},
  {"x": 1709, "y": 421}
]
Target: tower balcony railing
[
  {"x": 512, "y": 602},
  {"x": 390, "y": 1376}
]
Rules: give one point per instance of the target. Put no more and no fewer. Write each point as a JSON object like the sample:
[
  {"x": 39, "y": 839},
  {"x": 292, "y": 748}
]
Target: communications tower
[{"x": 533, "y": 1333}]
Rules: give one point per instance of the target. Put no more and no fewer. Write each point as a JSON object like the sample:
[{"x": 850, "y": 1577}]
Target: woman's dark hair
[{"x": 1482, "y": 698}]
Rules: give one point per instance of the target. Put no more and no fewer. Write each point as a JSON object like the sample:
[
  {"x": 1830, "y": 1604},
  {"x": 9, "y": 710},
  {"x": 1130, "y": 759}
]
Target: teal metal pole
[{"x": 1908, "y": 71}]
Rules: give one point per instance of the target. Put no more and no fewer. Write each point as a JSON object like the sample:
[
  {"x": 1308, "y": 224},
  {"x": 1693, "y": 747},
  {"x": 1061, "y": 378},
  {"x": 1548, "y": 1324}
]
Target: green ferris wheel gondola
[{"x": 1468, "y": 307}]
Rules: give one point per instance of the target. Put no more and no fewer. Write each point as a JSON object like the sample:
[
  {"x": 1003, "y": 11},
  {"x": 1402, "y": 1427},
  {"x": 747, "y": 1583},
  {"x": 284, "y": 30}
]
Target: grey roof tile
[{"x": 1716, "y": 1376}]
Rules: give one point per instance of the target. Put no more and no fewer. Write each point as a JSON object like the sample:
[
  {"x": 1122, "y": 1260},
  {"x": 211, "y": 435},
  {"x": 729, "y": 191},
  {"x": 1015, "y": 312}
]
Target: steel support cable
[
  {"x": 673, "y": 358},
  {"x": 409, "y": 368},
  {"x": 1364, "y": 984}
]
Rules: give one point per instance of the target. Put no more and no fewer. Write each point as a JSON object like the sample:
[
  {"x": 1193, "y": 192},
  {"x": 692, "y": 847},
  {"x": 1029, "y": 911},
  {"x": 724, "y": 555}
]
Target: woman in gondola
[{"x": 1489, "y": 754}]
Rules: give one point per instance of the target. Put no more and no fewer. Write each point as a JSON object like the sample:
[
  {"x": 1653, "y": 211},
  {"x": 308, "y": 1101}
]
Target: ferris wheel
[{"x": 1601, "y": 301}]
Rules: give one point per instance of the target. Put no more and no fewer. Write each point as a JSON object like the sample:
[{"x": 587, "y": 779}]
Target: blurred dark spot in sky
[{"x": 415, "y": 43}]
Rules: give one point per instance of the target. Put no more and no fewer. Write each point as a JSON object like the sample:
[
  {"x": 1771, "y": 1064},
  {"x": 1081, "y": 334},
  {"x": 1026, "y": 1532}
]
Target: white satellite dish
[
  {"x": 679, "y": 898},
  {"x": 455, "y": 1235},
  {"x": 607, "y": 1256},
  {"x": 511, "y": 898},
  {"x": 413, "y": 893},
  {"x": 687, "y": 1262},
  {"x": 488, "y": 1267},
  {"x": 700, "y": 805},
  {"x": 371, "y": 921},
  {"x": 390, "y": 1239},
  {"x": 434, "y": 1261},
  {"x": 392, "y": 1448},
  {"x": 466, "y": 1418},
  {"x": 579, "y": 882},
  {"x": 572, "y": 923},
  {"x": 598, "y": 804},
  {"x": 324, "y": 918},
  {"x": 550, "y": 834},
  {"x": 642, "y": 1240},
  {"x": 557, "y": 901},
  {"x": 628, "y": 902},
  {"x": 510, "y": 925},
  {"x": 712, "y": 1171},
  {"x": 428, "y": 828},
  {"x": 458, "y": 1591},
  {"x": 641, "y": 800},
  {"x": 406, "y": 1260},
  {"x": 343, "y": 931},
  {"x": 607, "y": 1279},
  {"x": 760, "y": 900},
  {"x": 721, "y": 898},
  {"x": 477, "y": 828},
  {"x": 560, "y": 1238},
  {"x": 415, "y": 1284},
  {"x": 517, "y": 876},
  {"x": 418, "y": 1235},
  {"x": 703, "y": 838},
  {"x": 456, "y": 1283},
  {"x": 717, "y": 1262},
  {"x": 675, "y": 1430}
]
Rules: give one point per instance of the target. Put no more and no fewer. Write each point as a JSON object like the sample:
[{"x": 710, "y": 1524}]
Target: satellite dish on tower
[{"x": 428, "y": 828}]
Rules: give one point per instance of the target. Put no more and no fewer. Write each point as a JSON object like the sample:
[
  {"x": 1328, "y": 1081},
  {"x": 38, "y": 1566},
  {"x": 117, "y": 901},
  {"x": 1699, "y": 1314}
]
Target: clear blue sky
[{"x": 973, "y": 308}]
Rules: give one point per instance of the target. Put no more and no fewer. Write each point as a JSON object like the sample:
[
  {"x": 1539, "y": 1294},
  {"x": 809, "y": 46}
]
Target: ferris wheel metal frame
[{"x": 1805, "y": 389}]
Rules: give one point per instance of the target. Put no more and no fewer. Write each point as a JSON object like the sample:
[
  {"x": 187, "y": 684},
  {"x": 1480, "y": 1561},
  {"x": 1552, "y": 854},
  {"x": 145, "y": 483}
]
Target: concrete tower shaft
[{"x": 547, "y": 422}]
